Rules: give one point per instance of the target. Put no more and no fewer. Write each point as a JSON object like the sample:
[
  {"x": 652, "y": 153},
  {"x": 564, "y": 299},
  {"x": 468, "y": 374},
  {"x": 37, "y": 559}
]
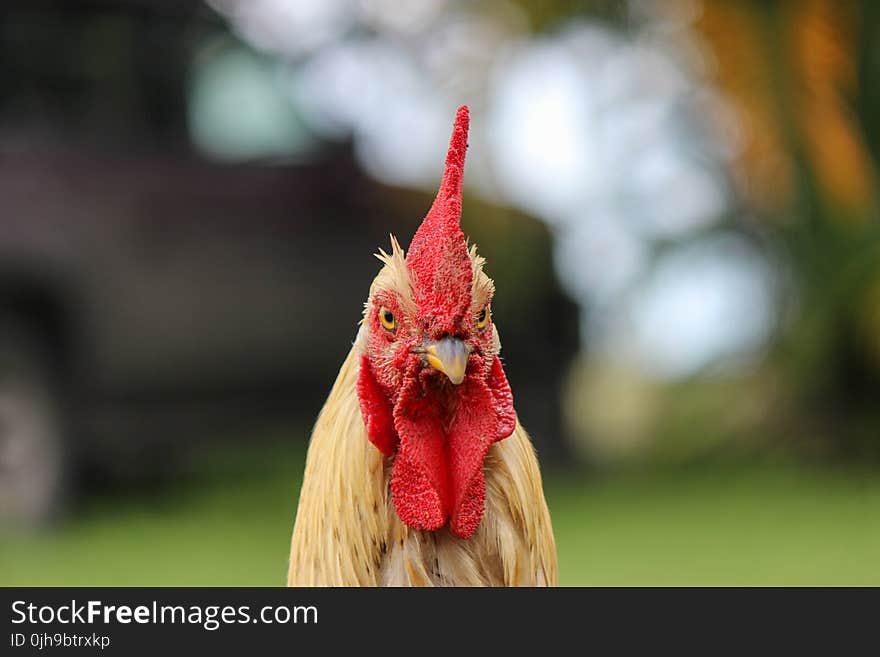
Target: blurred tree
[{"x": 799, "y": 75}]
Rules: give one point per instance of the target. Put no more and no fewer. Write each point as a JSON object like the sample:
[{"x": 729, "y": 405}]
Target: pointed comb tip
[
  {"x": 442, "y": 220},
  {"x": 460, "y": 130},
  {"x": 453, "y": 174}
]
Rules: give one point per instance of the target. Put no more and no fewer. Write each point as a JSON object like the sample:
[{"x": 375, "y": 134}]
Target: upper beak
[{"x": 450, "y": 356}]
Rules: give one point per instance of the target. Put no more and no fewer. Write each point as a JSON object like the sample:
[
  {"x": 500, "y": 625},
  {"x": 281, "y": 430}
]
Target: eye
[
  {"x": 482, "y": 318},
  {"x": 387, "y": 319}
]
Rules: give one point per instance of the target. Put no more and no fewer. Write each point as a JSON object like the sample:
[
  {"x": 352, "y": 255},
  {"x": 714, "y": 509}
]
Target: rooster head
[{"x": 432, "y": 391}]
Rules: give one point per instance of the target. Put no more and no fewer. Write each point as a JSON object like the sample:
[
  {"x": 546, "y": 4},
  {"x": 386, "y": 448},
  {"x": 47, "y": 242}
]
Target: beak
[{"x": 450, "y": 356}]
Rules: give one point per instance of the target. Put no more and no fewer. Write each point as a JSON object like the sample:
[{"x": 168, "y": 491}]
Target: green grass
[
  {"x": 230, "y": 525},
  {"x": 731, "y": 526}
]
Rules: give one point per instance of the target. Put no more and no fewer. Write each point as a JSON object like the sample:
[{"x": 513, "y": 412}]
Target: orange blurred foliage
[{"x": 789, "y": 72}]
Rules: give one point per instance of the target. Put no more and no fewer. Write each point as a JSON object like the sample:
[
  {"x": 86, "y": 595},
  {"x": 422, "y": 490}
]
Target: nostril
[
  {"x": 453, "y": 335},
  {"x": 438, "y": 326}
]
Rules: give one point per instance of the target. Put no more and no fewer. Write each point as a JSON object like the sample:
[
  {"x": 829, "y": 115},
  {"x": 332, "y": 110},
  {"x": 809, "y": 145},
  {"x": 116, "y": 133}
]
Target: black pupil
[
  {"x": 481, "y": 316},
  {"x": 389, "y": 318}
]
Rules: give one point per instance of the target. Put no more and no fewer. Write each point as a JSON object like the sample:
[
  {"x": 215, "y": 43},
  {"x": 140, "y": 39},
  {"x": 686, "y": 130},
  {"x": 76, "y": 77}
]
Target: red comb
[{"x": 438, "y": 255}]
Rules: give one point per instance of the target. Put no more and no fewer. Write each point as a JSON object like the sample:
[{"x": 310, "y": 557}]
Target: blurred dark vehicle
[
  {"x": 140, "y": 290},
  {"x": 148, "y": 297}
]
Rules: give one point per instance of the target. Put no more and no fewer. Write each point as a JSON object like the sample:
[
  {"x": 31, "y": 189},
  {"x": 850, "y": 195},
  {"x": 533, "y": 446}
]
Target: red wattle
[
  {"x": 437, "y": 475},
  {"x": 473, "y": 429},
  {"x": 376, "y": 410},
  {"x": 419, "y": 479},
  {"x": 503, "y": 400}
]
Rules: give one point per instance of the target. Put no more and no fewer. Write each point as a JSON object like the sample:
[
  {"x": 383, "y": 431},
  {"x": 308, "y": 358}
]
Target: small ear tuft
[
  {"x": 394, "y": 275},
  {"x": 483, "y": 286}
]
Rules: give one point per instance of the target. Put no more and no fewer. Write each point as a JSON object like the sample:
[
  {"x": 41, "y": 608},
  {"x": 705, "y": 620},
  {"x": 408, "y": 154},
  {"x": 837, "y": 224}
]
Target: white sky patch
[
  {"x": 706, "y": 302},
  {"x": 598, "y": 259},
  {"x": 545, "y": 146},
  {"x": 291, "y": 28},
  {"x": 691, "y": 194},
  {"x": 368, "y": 87},
  {"x": 589, "y": 131},
  {"x": 589, "y": 123}
]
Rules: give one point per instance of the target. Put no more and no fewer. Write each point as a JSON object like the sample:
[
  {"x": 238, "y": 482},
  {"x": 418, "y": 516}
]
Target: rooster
[{"x": 418, "y": 471}]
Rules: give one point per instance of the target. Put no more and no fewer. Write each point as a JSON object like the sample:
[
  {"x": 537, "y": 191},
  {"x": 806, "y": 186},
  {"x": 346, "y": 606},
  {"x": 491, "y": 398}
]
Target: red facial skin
[{"x": 438, "y": 433}]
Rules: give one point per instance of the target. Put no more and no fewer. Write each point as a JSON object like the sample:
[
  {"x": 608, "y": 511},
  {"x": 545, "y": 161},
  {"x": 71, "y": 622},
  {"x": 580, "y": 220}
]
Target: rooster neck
[{"x": 347, "y": 532}]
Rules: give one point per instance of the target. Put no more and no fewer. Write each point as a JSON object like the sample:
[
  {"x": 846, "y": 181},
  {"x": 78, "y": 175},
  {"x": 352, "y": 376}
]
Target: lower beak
[{"x": 450, "y": 356}]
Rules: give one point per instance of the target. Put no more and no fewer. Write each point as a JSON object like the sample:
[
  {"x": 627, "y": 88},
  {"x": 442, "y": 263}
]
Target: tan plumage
[{"x": 347, "y": 532}]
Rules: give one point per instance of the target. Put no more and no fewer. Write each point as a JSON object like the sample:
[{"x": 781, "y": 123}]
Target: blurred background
[{"x": 678, "y": 202}]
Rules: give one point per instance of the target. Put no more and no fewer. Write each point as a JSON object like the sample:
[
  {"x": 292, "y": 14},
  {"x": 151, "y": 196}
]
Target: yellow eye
[
  {"x": 482, "y": 318},
  {"x": 386, "y": 317}
]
